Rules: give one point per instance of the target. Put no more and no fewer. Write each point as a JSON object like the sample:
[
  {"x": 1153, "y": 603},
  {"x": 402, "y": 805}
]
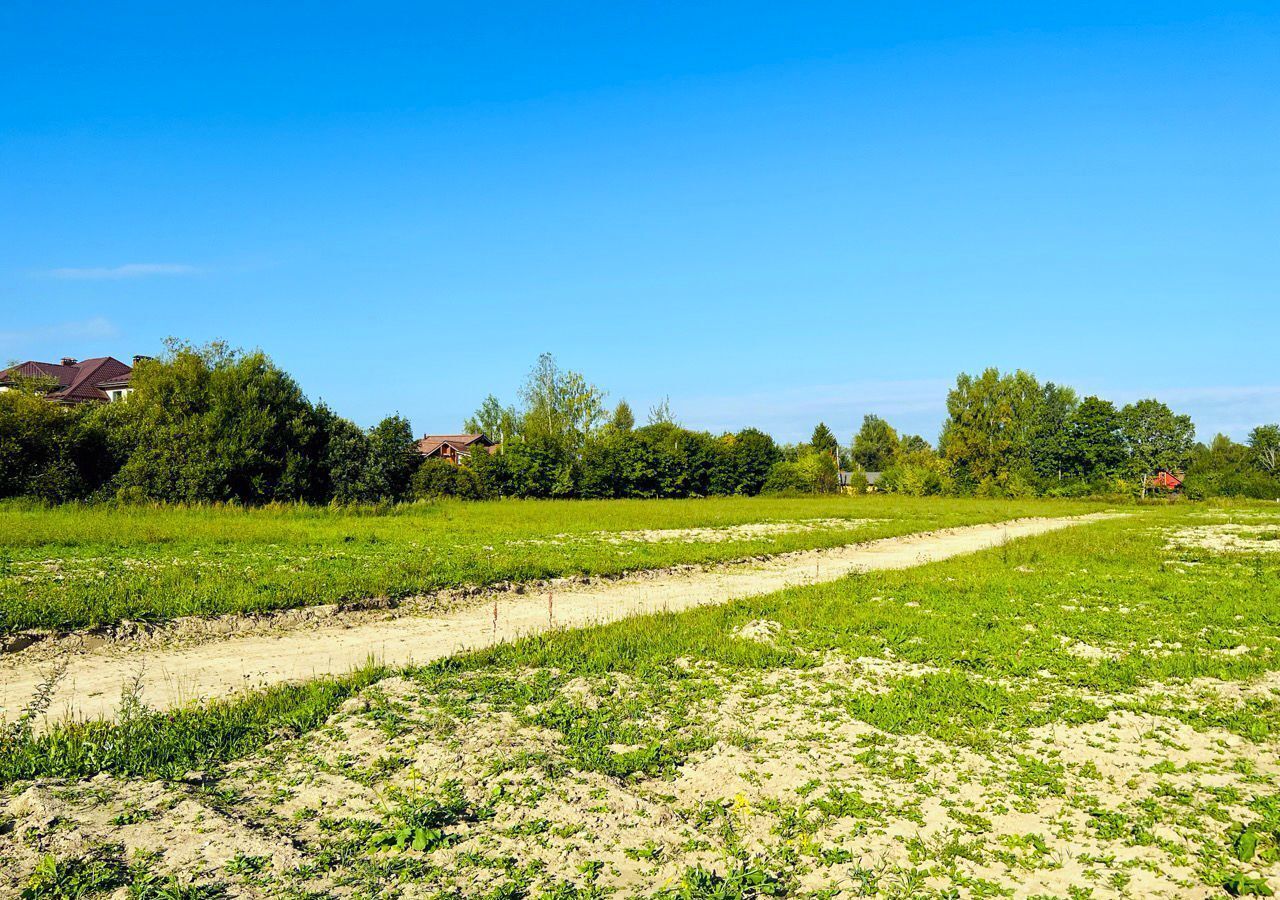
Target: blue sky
[{"x": 772, "y": 213}]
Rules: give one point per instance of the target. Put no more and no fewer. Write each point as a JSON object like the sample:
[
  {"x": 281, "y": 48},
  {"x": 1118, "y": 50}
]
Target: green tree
[
  {"x": 1264, "y": 441},
  {"x": 559, "y": 406},
  {"x": 914, "y": 443},
  {"x": 1050, "y": 436},
  {"x": 540, "y": 466},
  {"x": 823, "y": 441},
  {"x": 437, "y": 478},
  {"x": 809, "y": 473},
  {"x": 623, "y": 419},
  {"x": 876, "y": 444},
  {"x": 212, "y": 423},
  {"x": 344, "y": 458},
  {"x": 1155, "y": 438},
  {"x": 753, "y": 454},
  {"x": 990, "y": 422},
  {"x": 660, "y": 413},
  {"x": 493, "y": 473},
  {"x": 819, "y": 471},
  {"x": 494, "y": 420},
  {"x": 392, "y": 460},
  {"x": 49, "y": 451},
  {"x": 665, "y": 460},
  {"x": 1227, "y": 469},
  {"x": 601, "y": 464},
  {"x": 722, "y": 478},
  {"x": 786, "y": 478},
  {"x": 917, "y": 472},
  {"x": 1095, "y": 446}
]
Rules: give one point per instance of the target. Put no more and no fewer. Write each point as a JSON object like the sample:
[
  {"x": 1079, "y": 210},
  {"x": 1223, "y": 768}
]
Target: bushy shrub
[
  {"x": 1008, "y": 485},
  {"x": 392, "y": 461},
  {"x": 436, "y": 478},
  {"x": 212, "y": 424},
  {"x": 785, "y": 477},
  {"x": 493, "y": 473},
  {"x": 920, "y": 473},
  {"x": 665, "y": 460},
  {"x": 752, "y": 453},
  {"x": 809, "y": 473},
  {"x": 539, "y": 468},
  {"x": 819, "y": 472},
  {"x": 49, "y": 451},
  {"x": 857, "y": 483},
  {"x": 1243, "y": 484}
]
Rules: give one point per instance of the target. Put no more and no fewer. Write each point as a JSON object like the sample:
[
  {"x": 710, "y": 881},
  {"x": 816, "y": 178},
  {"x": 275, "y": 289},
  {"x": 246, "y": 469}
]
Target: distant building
[
  {"x": 848, "y": 482},
  {"x": 454, "y": 448},
  {"x": 1164, "y": 480},
  {"x": 103, "y": 379}
]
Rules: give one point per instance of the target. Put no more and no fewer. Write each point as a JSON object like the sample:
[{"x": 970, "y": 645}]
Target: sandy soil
[
  {"x": 709, "y": 535},
  {"x": 94, "y": 678},
  {"x": 1228, "y": 537},
  {"x": 1120, "y": 805}
]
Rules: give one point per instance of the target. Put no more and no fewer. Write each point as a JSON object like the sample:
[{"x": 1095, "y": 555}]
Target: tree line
[
  {"x": 202, "y": 424},
  {"x": 1006, "y": 434},
  {"x": 212, "y": 424}
]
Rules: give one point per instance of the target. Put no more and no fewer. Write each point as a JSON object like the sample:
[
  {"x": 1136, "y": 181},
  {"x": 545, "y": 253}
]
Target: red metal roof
[{"x": 79, "y": 382}]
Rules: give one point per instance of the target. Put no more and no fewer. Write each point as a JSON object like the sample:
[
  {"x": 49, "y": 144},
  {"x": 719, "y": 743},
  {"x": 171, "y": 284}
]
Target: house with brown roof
[
  {"x": 454, "y": 448},
  {"x": 103, "y": 379}
]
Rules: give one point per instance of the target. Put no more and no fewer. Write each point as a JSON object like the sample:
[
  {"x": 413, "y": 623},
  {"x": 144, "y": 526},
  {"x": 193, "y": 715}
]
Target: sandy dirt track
[{"x": 93, "y": 680}]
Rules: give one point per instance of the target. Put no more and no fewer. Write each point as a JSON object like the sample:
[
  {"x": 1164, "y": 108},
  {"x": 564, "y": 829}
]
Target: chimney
[
  {"x": 138, "y": 357},
  {"x": 68, "y": 360}
]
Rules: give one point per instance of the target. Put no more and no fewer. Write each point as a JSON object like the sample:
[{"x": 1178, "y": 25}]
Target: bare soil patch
[
  {"x": 708, "y": 535},
  {"x": 1121, "y": 805},
  {"x": 1228, "y": 537}
]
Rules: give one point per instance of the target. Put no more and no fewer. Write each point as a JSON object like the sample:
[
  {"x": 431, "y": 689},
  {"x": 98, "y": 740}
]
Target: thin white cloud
[
  {"x": 1233, "y": 410},
  {"x": 129, "y": 270},
  {"x": 97, "y": 328}
]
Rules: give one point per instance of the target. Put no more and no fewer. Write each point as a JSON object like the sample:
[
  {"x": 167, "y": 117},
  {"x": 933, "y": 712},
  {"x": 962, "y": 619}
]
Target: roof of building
[
  {"x": 78, "y": 381},
  {"x": 846, "y": 477},
  {"x": 431, "y": 443}
]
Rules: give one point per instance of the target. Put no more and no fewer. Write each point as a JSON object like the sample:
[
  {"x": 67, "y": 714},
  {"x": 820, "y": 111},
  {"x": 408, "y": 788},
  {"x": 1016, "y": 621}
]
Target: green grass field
[
  {"x": 1089, "y": 713},
  {"x": 74, "y": 566}
]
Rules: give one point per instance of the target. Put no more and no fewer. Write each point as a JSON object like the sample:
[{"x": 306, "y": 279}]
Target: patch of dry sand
[
  {"x": 792, "y": 773},
  {"x": 1231, "y": 537},
  {"x": 707, "y": 535}
]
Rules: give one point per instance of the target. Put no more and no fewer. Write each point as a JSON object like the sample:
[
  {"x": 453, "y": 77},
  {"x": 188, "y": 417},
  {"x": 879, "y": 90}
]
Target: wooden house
[{"x": 454, "y": 448}]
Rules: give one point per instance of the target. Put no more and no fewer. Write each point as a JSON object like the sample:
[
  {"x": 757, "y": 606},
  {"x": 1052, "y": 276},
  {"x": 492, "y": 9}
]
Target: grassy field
[
  {"x": 71, "y": 566},
  {"x": 1090, "y": 713}
]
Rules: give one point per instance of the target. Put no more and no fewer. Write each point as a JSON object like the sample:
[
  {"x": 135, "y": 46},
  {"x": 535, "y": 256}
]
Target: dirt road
[{"x": 172, "y": 676}]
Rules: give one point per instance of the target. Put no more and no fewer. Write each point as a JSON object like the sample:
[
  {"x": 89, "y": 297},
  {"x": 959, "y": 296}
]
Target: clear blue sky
[{"x": 772, "y": 213}]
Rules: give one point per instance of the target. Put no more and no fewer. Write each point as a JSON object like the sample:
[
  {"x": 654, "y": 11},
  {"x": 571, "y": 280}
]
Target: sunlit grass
[
  {"x": 992, "y": 658},
  {"x": 76, "y": 566},
  {"x": 998, "y": 625}
]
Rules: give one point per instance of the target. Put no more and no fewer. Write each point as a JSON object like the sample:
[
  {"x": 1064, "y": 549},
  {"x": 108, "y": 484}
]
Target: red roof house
[
  {"x": 1165, "y": 480},
  {"x": 454, "y": 447},
  {"x": 102, "y": 379}
]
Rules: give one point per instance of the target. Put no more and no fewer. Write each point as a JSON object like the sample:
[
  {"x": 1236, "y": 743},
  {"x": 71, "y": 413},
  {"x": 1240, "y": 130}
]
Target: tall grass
[
  {"x": 168, "y": 744},
  {"x": 993, "y": 632},
  {"x": 76, "y": 566}
]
